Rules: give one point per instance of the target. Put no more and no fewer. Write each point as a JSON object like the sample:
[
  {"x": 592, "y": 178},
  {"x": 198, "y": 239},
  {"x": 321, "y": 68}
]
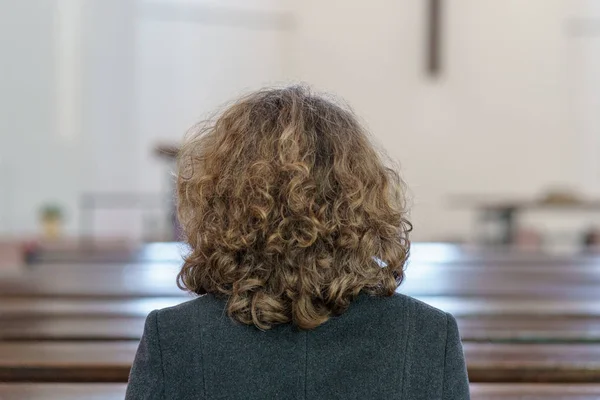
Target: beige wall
[
  {"x": 499, "y": 120},
  {"x": 513, "y": 112}
]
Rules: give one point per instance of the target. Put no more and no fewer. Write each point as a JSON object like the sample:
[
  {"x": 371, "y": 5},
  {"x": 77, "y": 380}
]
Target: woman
[{"x": 298, "y": 241}]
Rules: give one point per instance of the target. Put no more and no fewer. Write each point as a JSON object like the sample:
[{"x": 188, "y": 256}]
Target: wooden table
[{"x": 111, "y": 361}]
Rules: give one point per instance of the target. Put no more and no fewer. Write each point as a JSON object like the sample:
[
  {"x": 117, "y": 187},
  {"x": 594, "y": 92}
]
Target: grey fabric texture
[{"x": 380, "y": 348}]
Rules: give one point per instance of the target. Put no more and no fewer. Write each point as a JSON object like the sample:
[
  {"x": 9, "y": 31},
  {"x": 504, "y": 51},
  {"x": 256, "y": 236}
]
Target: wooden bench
[
  {"x": 27, "y": 308},
  {"x": 93, "y": 281},
  {"x": 23, "y": 308},
  {"x": 72, "y": 329},
  {"x": 534, "y": 391},
  {"x": 552, "y": 282},
  {"x": 529, "y": 329},
  {"x": 103, "y": 306},
  {"x": 62, "y": 391},
  {"x": 526, "y": 329},
  {"x": 513, "y": 281},
  {"x": 66, "y": 361},
  {"x": 116, "y": 391},
  {"x": 446, "y": 253},
  {"x": 473, "y": 306},
  {"x": 479, "y": 319},
  {"x": 111, "y": 361},
  {"x": 535, "y": 362}
]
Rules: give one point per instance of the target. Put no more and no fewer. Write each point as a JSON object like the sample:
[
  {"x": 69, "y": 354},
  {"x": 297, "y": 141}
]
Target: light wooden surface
[
  {"x": 446, "y": 253},
  {"x": 116, "y": 391},
  {"x": 533, "y": 320},
  {"x": 552, "y": 282},
  {"x": 11, "y": 257},
  {"x": 484, "y": 328},
  {"x": 529, "y": 329},
  {"x": 66, "y": 361},
  {"x": 534, "y": 391},
  {"x": 73, "y": 329},
  {"x": 502, "y": 362},
  {"x": 27, "y": 308},
  {"x": 61, "y": 391}
]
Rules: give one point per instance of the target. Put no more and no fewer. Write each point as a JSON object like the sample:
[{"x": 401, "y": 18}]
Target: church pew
[
  {"x": 116, "y": 391},
  {"x": 532, "y": 362},
  {"x": 475, "y": 306},
  {"x": 556, "y": 282},
  {"x": 93, "y": 281},
  {"x": 529, "y": 329},
  {"x": 421, "y": 252},
  {"x": 510, "y": 329},
  {"x": 29, "y": 308},
  {"x": 460, "y": 307},
  {"x": 72, "y": 329},
  {"x": 514, "y": 281},
  {"x": 456, "y": 254},
  {"x": 110, "y": 362},
  {"x": 66, "y": 361},
  {"x": 479, "y": 319},
  {"x": 62, "y": 391},
  {"x": 534, "y": 391}
]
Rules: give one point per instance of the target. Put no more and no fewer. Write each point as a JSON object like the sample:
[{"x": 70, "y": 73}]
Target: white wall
[
  {"x": 187, "y": 67},
  {"x": 499, "y": 120},
  {"x": 513, "y": 112},
  {"x": 584, "y": 69},
  {"x": 141, "y": 72},
  {"x": 35, "y": 159}
]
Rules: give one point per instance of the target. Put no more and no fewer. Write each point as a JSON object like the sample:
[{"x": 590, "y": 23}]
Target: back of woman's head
[{"x": 289, "y": 211}]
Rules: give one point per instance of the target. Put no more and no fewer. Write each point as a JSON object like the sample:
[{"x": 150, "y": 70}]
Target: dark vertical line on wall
[{"x": 433, "y": 62}]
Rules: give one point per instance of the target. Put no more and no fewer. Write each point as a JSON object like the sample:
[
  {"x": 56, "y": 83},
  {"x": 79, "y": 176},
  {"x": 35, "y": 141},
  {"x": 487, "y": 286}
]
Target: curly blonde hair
[{"x": 288, "y": 210}]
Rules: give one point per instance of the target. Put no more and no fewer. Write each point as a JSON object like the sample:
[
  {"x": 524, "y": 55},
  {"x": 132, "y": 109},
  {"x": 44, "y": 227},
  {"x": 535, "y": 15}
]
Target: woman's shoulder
[
  {"x": 426, "y": 318},
  {"x": 399, "y": 314},
  {"x": 186, "y": 314},
  {"x": 397, "y": 309},
  {"x": 415, "y": 317},
  {"x": 422, "y": 309},
  {"x": 409, "y": 307}
]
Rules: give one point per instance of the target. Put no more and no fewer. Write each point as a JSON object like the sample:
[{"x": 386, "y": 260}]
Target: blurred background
[
  {"x": 489, "y": 107},
  {"x": 492, "y": 100}
]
